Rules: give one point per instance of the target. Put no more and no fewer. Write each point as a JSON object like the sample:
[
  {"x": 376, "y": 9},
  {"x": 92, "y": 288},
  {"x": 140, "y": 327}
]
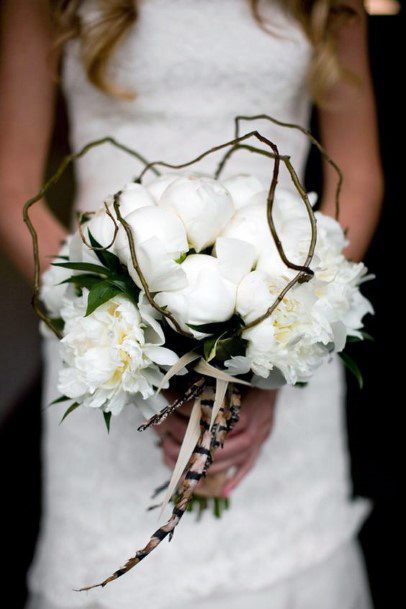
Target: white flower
[
  {"x": 293, "y": 339},
  {"x": 246, "y": 189},
  {"x": 157, "y": 187},
  {"x": 208, "y": 297},
  {"x": 134, "y": 196},
  {"x": 159, "y": 239},
  {"x": 52, "y": 289},
  {"x": 339, "y": 299},
  {"x": 236, "y": 258},
  {"x": 113, "y": 356},
  {"x": 250, "y": 223},
  {"x": 104, "y": 226},
  {"x": 203, "y": 205}
]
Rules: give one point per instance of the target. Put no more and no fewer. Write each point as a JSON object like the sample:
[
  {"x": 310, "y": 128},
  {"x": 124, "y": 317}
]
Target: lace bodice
[{"x": 194, "y": 65}]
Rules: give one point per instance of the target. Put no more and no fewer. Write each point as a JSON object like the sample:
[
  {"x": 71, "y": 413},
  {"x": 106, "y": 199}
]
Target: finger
[
  {"x": 226, "y": 464},
  {"x": 186, "y": 409},
  {"x": 174, "y": 426},
  {"x": 241, "y": 472},
  {"x": 241, "y": 425},
  {"x": 169, "y": 462},
  {"x": 170, "y": 448},
  {"x": 234, "y": 445}
]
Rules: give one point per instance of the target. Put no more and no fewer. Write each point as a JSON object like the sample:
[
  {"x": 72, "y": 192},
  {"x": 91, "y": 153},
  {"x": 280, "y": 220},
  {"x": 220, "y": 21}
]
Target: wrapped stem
[{"x": 199, "y": 463}]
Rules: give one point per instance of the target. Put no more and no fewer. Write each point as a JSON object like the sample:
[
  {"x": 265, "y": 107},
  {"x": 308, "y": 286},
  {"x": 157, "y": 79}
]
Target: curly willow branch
[
  {"x": 238, "y": 143},
  {"x": 68, "y": 160},
  {"x": 312, "y": 139},
  {"x": 96, "y": 248},
  {"x": 134, "y": 260},
  {"x": 235, "y": 145}
]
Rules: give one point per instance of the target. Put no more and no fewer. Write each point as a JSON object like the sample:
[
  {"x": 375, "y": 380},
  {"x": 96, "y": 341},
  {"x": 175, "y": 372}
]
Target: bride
[{"x": 167, "y": 77}]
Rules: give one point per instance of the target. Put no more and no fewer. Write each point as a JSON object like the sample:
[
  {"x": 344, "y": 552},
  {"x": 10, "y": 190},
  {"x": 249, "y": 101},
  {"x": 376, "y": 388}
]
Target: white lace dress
[{"x": 194, "y": 65}]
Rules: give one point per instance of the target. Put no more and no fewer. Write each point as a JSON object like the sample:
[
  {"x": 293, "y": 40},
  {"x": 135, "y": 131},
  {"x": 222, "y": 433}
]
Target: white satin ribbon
[
  {"x": 190, "y": 440},
  {"x": 192, "y": 433}
]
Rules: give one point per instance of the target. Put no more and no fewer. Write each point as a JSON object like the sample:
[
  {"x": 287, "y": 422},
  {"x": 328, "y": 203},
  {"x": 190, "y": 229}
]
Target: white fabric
[
  {"x": 194, "y": 66},
  {"x": 339, "y": 582}
]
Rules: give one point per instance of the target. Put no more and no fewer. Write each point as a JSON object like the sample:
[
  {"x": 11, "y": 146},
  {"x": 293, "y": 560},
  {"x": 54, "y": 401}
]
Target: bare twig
[
  {"x": 313, "y": 140},
  {"x": 195, "y": 471},
  {"x": 68, "y": 160},
  {"x": 192, "y": 392},
  {"x": 96, "y": 248},
  {"x": 144, "y": 282}
]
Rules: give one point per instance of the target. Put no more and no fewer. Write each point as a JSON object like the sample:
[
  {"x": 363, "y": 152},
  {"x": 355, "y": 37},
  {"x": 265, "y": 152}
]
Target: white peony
[
  {"x": 339, "y": 299},
  {"x": 103, "y": 227},
  {"x": 294, "y": 340},
  {"x": 250, "y": 223},
  {"x": 52, "y": 289},
  {"x": 157, "y": 187},
  {"x": 203, "y": 205},
  {"x": 160, "y": 240},
  {"x": 133, "y": 196},
  {"x": 236, "y": 258},
  {"x": 243, "y": 188},
  {"x": 312, "y": 320},
  {"x": 208, "y": 296},
  {"x": 113, "y": 356}
]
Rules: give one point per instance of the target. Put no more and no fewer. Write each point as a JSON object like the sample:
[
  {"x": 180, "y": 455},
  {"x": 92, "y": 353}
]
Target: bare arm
[
  {"x": 26, "y": 113},
  {"x": 349, "y": 133}
]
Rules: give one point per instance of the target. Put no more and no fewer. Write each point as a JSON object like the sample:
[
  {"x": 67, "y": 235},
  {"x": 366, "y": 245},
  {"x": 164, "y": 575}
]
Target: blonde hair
[{"x": 320, "y": 20}]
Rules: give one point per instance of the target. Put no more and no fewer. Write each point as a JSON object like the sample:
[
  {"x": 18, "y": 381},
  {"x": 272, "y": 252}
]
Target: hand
[{"x": 243, "y": 444}]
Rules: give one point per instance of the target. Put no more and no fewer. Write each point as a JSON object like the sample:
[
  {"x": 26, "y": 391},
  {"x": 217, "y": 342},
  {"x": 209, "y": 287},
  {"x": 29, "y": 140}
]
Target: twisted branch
[
  {"x": 96, "y": 248},
  {"x": 68, "y": 160},
  {"x": 195, "y": 471},
  {"x": 192, "y": 392},
  {"x": 134, "y": 260},
  {"x": 313, "y": 140}
]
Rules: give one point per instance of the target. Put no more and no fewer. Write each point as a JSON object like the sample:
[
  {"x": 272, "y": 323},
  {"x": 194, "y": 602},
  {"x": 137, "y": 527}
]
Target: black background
[{"x": 374, "y": 414}]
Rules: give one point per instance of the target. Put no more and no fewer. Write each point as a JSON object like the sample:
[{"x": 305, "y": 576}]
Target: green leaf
[
  {"x": 207, "y": 328},
  {"x": 352, "y": 367},
  {"x": 357, "y": 339},
  {"x": 84, "y": 266},
  {"x": 231, "y": 347},
  {"x": 234, "y": 322},
  {"x": 223, "y": 348},
  {"x": 62, "y": 398},
  {"x": 58, "y": 323},
  {"x": 85, "y": 217},
  {"x": 99, "y": 294},
  {"x": 67, "y": 412},
  {"x": 210, "y": 347},
  {"x": 301, "y": 384},
  {"x": 83, "y": 281},
  {"x": 181, "y": 258},
  {"x": 106, "y": 258},
  {"x": 107, "y": 419},
  {"x": 354, "y": 339}
]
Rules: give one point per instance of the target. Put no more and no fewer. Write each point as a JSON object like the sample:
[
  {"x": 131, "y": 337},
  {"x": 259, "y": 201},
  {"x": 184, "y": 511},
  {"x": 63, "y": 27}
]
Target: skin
[{"x": 349, "y": 133}]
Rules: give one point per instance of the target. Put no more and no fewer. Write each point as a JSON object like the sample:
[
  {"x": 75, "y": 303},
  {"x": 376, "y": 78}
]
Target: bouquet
[{"x": 219, "y": 283}]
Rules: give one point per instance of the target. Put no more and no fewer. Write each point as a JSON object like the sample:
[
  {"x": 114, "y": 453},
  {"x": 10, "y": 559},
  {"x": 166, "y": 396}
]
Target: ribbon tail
[
  {"x": 183, "y": 361},
  {"x": 221, "y": 389},
  {"x": 207, "y": 369},
  {"x": 190, "y": 440}
]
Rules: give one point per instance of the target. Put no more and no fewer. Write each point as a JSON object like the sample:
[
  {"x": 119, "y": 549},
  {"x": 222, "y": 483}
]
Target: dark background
[{"x": 374, "y": 414}]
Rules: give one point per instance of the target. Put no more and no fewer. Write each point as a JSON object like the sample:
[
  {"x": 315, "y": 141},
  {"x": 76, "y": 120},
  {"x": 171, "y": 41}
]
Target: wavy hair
[{"x": 319, "y": 19}]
